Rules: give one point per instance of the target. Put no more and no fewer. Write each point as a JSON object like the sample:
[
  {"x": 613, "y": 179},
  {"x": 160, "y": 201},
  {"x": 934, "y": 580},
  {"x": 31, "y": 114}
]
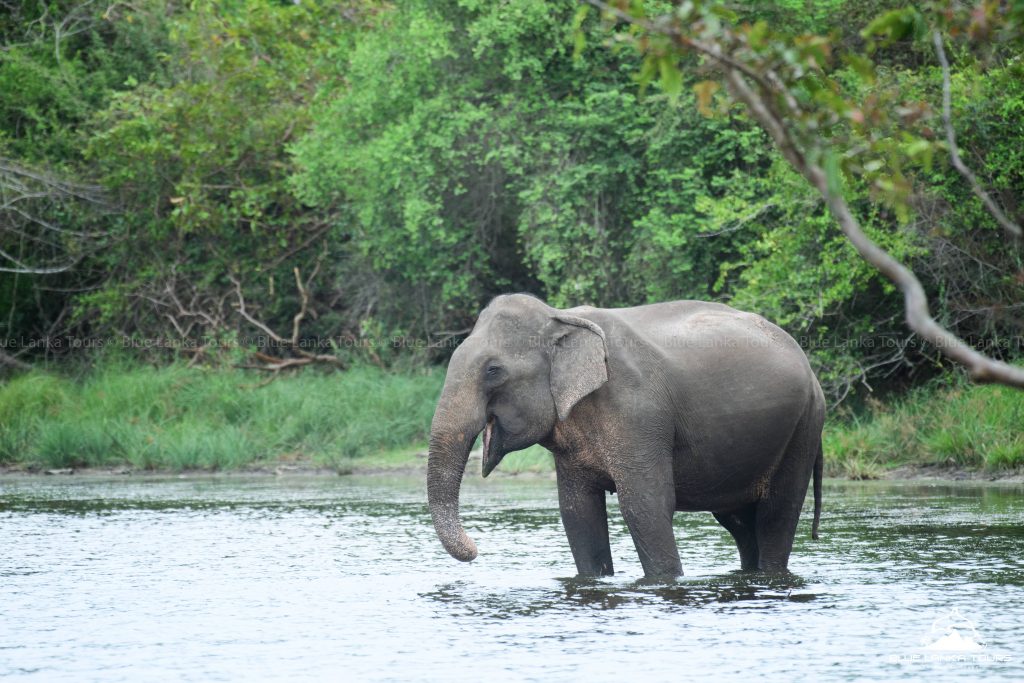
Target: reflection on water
[
  {"x": 342, "y": 578},
  {"x": 601, "y": 594}
]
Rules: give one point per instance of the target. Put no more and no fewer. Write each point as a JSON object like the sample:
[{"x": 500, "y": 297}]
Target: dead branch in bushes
[
  {"x": 301, "y": 357},
  {"x": 30, "y": 243},
  {"x": 12, "y": 362},
  {"x": 199, "y": 310}
]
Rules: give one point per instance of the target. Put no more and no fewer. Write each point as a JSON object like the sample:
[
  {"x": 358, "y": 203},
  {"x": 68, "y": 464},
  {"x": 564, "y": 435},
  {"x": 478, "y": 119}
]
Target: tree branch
[
  {"x": 711, "y": 50},
  {"x": 11, "y": 361},
  {"x": 25, "y": 269},
  {"x": 738, "y": 225},
  {"x": 273, "y": 363},
  {"x": 980, "y": 367},
  {"x": 758, "y": 101},
  {"x": 43, "y": 192},
  {"x": 954, "y": 151}
]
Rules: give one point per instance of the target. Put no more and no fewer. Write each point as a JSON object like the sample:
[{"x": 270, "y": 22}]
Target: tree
[
  {"x": 213, "y": 237},
  {"x": 60, "y": 61},
  {"x": 788, "y": 84}
]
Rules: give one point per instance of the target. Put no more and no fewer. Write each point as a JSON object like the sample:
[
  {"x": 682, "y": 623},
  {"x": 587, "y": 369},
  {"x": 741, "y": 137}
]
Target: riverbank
[
  {"x": 132, "y": 419},
  {"x": 535, "y": 466},
  {"x": 950, "y": 426}
]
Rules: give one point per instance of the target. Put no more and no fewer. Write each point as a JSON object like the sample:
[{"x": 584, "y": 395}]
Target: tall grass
[
  {"x": 949, "y": 423},
  {"x": 180, "y": 418}
]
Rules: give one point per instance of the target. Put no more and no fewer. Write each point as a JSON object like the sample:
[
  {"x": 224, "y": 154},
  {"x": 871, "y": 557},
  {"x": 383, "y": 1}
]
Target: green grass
[
  {"x": 951, "y": 423},
  {"x": 178, "y": 418},
  {"x": 532, "y": 459}
]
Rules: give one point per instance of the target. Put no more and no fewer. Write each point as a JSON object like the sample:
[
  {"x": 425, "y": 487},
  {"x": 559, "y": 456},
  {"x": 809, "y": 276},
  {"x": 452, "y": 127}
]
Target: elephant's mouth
[{"x": 493, "y": 437}]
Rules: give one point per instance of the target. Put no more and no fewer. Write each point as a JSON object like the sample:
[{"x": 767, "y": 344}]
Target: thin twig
[
  {"x": 447, "y": 336},
  {"x": 711, "y": 50},
  {"x": 954, "y": 151},
  {"x": 274, "y": 363},
  {"x": 25, "y": 269},
  {"x": 242, "y": 311},
  {"x": 317, "y": 234},
  {"x": 738, "y": 225},
  {"x": 297, "y": 320}
]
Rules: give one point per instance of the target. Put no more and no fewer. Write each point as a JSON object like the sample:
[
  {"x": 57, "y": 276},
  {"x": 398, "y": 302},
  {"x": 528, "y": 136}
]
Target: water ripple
[{"x": 313, "y": 578}]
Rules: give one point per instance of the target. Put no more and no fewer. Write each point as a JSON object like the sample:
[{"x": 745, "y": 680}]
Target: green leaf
[
  {"x": 833, "y": 174},
  {"x": 724, "y": 12},
  {"x": 671, "y": 76},
  {"x": 895, "y": 25},
  {"x": 862, "y": 66},
  {"x": 579, "y": 36},
  {"x": 921, "y": 151},
  {"x": 758, "y": 35},
  {"x": 647, "y": 72}
]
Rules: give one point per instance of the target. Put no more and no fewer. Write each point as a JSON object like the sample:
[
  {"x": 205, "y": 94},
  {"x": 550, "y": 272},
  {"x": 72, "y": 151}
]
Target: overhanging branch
[
  {"x": 981, "y": 368},
  {"x": 759, "y": 102},
  {"x": 954, "y": 151}
]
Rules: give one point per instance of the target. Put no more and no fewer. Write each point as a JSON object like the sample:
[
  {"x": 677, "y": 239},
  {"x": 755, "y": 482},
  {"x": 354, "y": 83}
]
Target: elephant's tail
[{"x": 819, "y": 464}]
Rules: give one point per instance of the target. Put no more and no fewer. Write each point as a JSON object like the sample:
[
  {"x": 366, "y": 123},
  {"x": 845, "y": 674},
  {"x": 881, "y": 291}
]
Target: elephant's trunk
[{"x": 458, "y": 420}]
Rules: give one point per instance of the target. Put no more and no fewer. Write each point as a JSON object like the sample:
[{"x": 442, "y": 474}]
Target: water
[{"x": 341, "y": 578}]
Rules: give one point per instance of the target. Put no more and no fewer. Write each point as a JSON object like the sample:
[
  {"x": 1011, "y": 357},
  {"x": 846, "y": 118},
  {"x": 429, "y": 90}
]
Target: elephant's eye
[{"x": 492, "y": 371}]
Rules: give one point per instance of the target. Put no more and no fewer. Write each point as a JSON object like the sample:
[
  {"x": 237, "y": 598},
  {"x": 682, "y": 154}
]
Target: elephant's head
[{"x": 520, "y": 371}]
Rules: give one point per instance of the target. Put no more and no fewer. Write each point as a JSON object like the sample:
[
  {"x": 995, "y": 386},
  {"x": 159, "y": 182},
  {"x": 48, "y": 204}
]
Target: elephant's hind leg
[
  {"x": 779, "y": 510},
  {"x": 741, "y": 524},
  {"x": 776, "y": 527}
]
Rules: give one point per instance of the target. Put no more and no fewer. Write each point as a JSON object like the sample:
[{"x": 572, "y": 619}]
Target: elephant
[{"x": 676, "y": 406}]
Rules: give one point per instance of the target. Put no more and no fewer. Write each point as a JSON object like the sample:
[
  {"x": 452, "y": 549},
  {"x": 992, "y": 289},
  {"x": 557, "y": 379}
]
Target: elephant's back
[
  {"x": 718, "y": 349},
  {"x": 694, "y": 325}
]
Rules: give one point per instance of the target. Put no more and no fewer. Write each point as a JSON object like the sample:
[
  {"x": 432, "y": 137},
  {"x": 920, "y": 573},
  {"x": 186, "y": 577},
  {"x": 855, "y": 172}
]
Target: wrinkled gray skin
[{"x": 675, "y": 406}]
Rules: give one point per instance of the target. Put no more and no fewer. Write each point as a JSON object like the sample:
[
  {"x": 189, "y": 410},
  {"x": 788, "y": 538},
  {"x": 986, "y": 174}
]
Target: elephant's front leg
[
  {"x": 647, "y": 498},
  {"x": 585, "y": 518}
]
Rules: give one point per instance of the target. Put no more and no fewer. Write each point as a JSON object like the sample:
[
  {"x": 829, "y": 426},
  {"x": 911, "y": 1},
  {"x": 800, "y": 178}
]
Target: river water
[{"x": 342, "y": 578}]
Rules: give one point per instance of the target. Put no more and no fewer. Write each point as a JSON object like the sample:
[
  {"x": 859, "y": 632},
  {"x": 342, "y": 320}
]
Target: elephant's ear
[{"x": 578, "y": 361}]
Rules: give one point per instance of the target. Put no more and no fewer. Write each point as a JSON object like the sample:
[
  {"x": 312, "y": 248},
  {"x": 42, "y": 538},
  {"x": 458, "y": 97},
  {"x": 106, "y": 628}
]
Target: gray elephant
[{"x": 684, "y": 405}]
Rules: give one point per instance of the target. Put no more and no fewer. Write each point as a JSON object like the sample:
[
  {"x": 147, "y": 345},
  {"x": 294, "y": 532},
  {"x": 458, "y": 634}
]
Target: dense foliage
[{"x": 383, "y": 169}]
